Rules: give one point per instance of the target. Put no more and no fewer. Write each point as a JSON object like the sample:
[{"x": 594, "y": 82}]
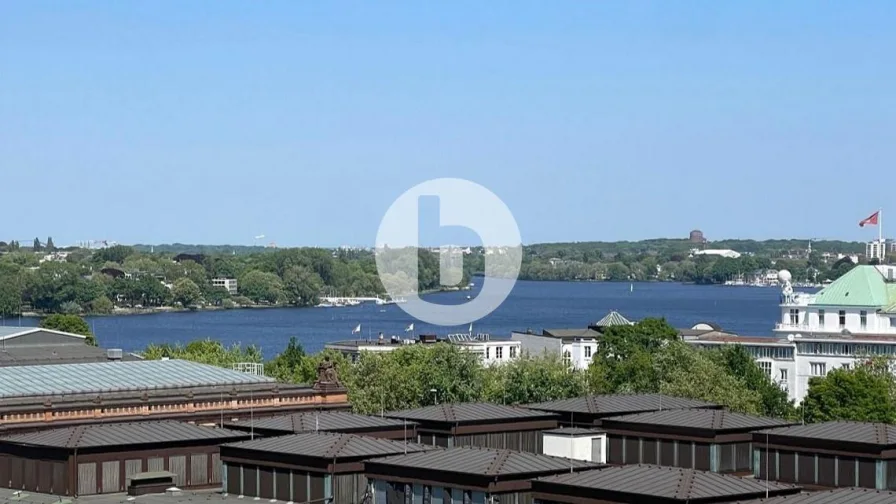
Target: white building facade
[
  {"x": 490, "y": 351},
  {"x": 226, "y": 283},
  {"x": 852, "y": 318}
]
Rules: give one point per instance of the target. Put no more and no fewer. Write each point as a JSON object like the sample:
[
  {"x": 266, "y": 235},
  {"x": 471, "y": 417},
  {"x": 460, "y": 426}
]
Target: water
[{"x": 532, "y": 305}]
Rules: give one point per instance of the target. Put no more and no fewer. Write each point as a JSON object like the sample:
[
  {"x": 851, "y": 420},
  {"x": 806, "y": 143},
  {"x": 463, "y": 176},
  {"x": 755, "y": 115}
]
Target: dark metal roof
[
  {"x": 571, "y": 333},
  {"x": 11, "y": 496},
  {"x": 468, "y": 412},
  {"x": 847, "y": 432},
  {"x": 839, "y": 496},
  {"x": 574, "y": 431},
  {"x": 705, "y": 419},
  {"x": 663, "y": 482},
  {"x": 122, "y": 434},
  {"x": 329, "y": 445},
  {"x": 484, "y": 462},
  {"x": 29, "y": 355},
  {"x": 619, "y": 404},
  {"x": 311, "y": 421}
]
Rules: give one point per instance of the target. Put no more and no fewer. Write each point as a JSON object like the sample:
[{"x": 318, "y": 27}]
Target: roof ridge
[
  {"x": 882, "y": 433},
  {"x": 338, "y": 446},
  {"x": 718, "y": 418},
  {"x": 499, "y": 461},
  {"x": 685, "y": 484},
  {"x": 75, "y": 438},
  {"x": 591, "y": 403},
  {"x": 448, "y": 411}
]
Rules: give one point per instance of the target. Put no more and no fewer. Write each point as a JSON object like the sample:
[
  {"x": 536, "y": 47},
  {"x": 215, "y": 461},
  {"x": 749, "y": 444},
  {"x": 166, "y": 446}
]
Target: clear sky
[{"x": 215, "y": 121}]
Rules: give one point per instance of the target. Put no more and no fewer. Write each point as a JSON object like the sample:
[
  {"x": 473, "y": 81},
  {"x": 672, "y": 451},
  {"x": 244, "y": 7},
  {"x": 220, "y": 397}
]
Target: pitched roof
[
  {"x": 467, "y": 413},
  {"x": 861, "y": 286},
  {"x": 573, "y": 431},
  {"x": 321, "y": 421},
  {"x": 838, "y": 496},
  {"x": 30, "y": 355},
  {"x": 10, "y": 332},
  {"x": 570, "y": 333},
  {"x": 618, "y": 404},
  {"x": 614, "y": 318},
  {"x": 662, "y": 482},
  {"x": 847, "y": 432},
  {"x": 114, "y": 376},
  {"x": 704, "y": 419},
  {"x": 329, "y": 445},
  {"x": 122, "y": 434},
  {"x": 484, "y": 461}
]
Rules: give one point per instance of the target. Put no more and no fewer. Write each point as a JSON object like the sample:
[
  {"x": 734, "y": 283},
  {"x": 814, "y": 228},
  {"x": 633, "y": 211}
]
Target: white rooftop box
[{"x": 576, "y": 443}]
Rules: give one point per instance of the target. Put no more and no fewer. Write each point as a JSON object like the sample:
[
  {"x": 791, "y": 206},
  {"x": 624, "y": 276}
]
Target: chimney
[{"x": 114, "y": 354}]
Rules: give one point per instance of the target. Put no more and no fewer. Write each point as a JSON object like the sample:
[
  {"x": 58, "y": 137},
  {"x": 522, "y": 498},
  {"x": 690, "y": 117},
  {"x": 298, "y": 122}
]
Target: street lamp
[{"x": 435, "y": 396}]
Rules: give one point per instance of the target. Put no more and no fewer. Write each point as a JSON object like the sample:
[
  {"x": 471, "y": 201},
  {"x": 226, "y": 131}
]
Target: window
[
  {"x": 784, "y": 375},
  {"x": 587, "y": 351},
  {"x": 841, "y": 315},
  {"x": 499, "y": 353},
  {"x": 567, "y": 358},
  {"x": 513, "y": 352},
  {"x": 818, "y": 368},
  {"x": 845, "y": 366},
  {"x": 863, "y": 319},
  {"x": 821, "y": 319},
  {"x": 488, "y": 353},
  {"x": 794, "y": 316},
  {"x": 766, "y": 366}
]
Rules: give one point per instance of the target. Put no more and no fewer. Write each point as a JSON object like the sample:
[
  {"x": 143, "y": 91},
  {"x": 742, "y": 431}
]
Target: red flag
[{"x": 872, "y": 220}]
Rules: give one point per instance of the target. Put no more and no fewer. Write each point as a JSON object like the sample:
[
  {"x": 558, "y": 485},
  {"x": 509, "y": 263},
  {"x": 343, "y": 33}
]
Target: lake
[{"x": 532, "y": 305}]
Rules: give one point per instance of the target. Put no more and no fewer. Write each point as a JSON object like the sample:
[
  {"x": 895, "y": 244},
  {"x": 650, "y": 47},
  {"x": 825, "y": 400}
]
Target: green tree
[
  {"x": 116, "y": 254},
  {"x": 260, "y": 286},
  {"x": 414, "y": 376},
  {"x": 70, "y": 324},
  {"x": 739, "y": 363},
  {"x": 101, "y": 306},
  {"x": 862, "y": 394},
  {"x": 289, "y": 365},
  {"x": 531, "y": 379},
  {"x": 206, "y": 352},
  {"x": 301, "y": 285},
  {"x": 186, "y": 292},
  {"x": 12, "y": 288}
]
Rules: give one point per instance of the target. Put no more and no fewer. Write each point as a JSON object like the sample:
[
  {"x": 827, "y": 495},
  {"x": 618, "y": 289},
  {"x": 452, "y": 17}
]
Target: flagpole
[{"x": 880, "y": 232}]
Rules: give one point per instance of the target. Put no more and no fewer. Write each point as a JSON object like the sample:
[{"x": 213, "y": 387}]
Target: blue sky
[{"x": 213, "y": 122}]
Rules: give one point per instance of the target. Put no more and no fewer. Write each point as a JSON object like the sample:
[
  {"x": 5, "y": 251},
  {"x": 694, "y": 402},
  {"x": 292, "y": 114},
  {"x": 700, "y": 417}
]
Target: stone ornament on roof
[{"x": 326, "y": 374}]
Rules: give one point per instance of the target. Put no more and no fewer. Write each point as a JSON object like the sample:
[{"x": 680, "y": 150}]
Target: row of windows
[
  {"x": 841, "y": 318},
  {"x": 845, "y": 349},
  {"x": 769, "y": 352},
  {"x": 499, "y": 352}
]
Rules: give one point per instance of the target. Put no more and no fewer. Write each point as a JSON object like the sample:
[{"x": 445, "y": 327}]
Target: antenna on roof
[{"x": 316, "y": 420}]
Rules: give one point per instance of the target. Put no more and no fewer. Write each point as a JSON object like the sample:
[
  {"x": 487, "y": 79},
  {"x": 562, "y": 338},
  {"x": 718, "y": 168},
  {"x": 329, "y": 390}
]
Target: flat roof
[
  {"x": 573, "y": 431},
  {"x": 8, "y": 496},
  {"x": 122, "y": 434},
  {"x": 676, "y": 484},
  {"x": 66, "y": 353},
  {"x": 570, "y": 333},
  {"x": 483, "y": 462},
  {"x": 610, "y": 404},
  {"x": 878, "y": 434},
  {"x": 468, "y": 413},
  {"x": 704, "y": 419},
  {"x": 838, "y": 496},
  {"x": 321, "y": 421},
  {"x": 113, "y": 376},
  {"x": 328, "y": 445}
]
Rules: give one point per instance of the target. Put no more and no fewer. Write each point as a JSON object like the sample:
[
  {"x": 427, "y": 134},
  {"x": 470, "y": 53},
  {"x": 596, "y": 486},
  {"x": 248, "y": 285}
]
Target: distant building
[
  {"x": 696, "y": 236},
  {"x": 226, "y": 283},
  {"x": 730, "y": 254},
  {"x": 576, "y": 346},
  {"x": 490, "y": 351},
  {"x": 876, "y": 249}
]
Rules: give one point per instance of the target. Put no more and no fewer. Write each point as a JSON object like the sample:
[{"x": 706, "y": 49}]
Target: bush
[
  {"x": 70, "y": 307},
  {"x": 101, "y": 306}
]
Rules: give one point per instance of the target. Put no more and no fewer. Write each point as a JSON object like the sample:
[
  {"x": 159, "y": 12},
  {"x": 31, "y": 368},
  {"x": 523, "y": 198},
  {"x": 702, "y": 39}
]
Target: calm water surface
[{"x": 535, "y": 305}]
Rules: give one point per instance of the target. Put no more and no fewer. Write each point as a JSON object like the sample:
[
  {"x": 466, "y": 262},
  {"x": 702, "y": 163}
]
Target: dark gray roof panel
[
  {"x": 665, "y": 482},
  {"x": 322, "y": 421},
  {"x": 574, "y": 431},
  {"x": 468, "y": 412},
  {"x": 484, "y": 461},
  {"x": 704, "y": 419},
  {"x": 839, "y": 496},
  {"x": 122, "y": 434},
  {"x": 619, "y": 404},
  {"x": 29, "y": 355},
  {"x": 329, "y": 445},
  {"x": 847, "y": 432}
]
